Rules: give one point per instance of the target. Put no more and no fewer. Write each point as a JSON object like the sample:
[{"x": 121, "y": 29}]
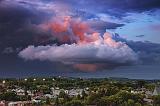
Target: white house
[
  {"x": 55, "y": 91},
  {"x": 19, "y": 91},
  {"x": 49, "y": 96},
  {"x": 36, "y": 100},
  {"x": 20, "y": 103},
  {"x": 75, "y": 92},
  {"x": 30, "y": 93}
]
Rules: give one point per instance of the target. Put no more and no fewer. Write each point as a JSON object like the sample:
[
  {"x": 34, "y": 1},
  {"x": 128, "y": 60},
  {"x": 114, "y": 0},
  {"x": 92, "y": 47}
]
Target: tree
[
  {"x": 48, "y": 101},
  {"x": 156, "y": 100},
  {"x": 122, "y": 98},
  {"x": 102, "y": 92},
  {"x": 112, "y": 91},
  {"x": 45, "y": 89},
  {"x": 84, "y": 94},
  {"x": 93, "y": 99},
  {"x": 138, "y": 104},
  {"x": 57, "y": 102},
  {"x": 9, "y": 96},
  {"x": 141, "y": 83},
  {"x": 102, "y": 102},
  {"x": 74, "y": 103},
  {"x": 127, "y": 95},
  {"x": 62, "y": 94},
  {"x": 131, "y": 102},
  {"x": 78, "y": 97}
]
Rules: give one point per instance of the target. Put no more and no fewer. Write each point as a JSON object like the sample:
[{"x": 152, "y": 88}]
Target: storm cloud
[
  {"x": 31, "y": 38},
  {"x": 19, "y": 26},
  {"x": 20, "y": 22}
]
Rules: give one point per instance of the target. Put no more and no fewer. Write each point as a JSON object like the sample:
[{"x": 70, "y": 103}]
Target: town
[{"x": 64, "y": 91}]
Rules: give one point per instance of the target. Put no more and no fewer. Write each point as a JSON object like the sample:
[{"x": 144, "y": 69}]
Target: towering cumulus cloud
[{"x": 86, "y": 48}]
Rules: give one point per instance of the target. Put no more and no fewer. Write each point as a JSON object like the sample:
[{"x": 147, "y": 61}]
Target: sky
[{"x": 79, "y": 38}]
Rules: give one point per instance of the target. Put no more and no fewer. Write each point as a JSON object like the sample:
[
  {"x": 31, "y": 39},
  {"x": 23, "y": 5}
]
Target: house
[
  {"x": 148, "y": 101},
  {"x": 19, "y": 91},
  {"x": 148, "y": 94},
  {"x": 156, "y": 90},
  {"x": 49, "y": 96},
  {"x": 20, "y": 103},
  {"x": 55, "y": 91},
  {"x": 37, "y": 100},
  {"x": 30, "y": 93},
  {"x": 75, "y": 92},
  {"x": 137, "y": 91},
  {"x": 71, "y": 92},
  {"x": 2, "y": 103}
]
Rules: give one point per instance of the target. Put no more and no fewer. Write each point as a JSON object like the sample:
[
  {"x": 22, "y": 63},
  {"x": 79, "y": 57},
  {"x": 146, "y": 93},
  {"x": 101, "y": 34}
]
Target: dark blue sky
[{"x": 27, "y": 41}]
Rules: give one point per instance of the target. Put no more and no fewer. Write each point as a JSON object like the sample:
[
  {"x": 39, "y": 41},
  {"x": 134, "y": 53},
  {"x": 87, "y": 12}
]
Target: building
[
  {"x": 75, "y": 92},
  {"x": 19, "y": 91},
  {"x": 20, "y": 103},
  {"x": 148, "y": 101},
  {"x": 30, "y": 93},
  {"x": 55, "y": 91},
  {"x": 48, "y": 96},
  {"x": 2, "y": 103},
  {"x": 71, "y": 92},
  {"x": 37, "y": 100},
  {"x": 156, "y": 90},
  {"x": 148, "y": 94}
]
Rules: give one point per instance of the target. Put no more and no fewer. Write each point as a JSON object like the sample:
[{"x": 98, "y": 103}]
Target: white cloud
[{"x": 103, "y": 50}]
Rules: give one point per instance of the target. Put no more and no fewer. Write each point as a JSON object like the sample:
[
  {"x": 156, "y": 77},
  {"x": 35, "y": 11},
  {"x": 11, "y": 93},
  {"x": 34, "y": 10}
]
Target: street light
[
  {"x": 44, "y": 79},
  {"x": 25, "y": 79},
  {"x": 34, "y": 79},
  {"x": 3, "y": 81}
]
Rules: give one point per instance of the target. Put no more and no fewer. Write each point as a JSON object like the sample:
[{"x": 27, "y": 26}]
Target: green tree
[
  {"x": 141, "y": 83},
  {"x": 9, "y": 96},
  {"x": 131, "y": 102},
  {"x": 93, "y": 99},
  {"x": 62, "y": 94},
  {"x": 84, "y": 95},
  {"x": 57, "y": 102},
  {"x": 78, "y": 97},
  {"x": 74, "y": 103},
  {"x": 111, "y": 91},
  {"x": 156, "y": 100},
  {"x": 48, "y": 101},
  {"x": 138, "y": 104}
]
